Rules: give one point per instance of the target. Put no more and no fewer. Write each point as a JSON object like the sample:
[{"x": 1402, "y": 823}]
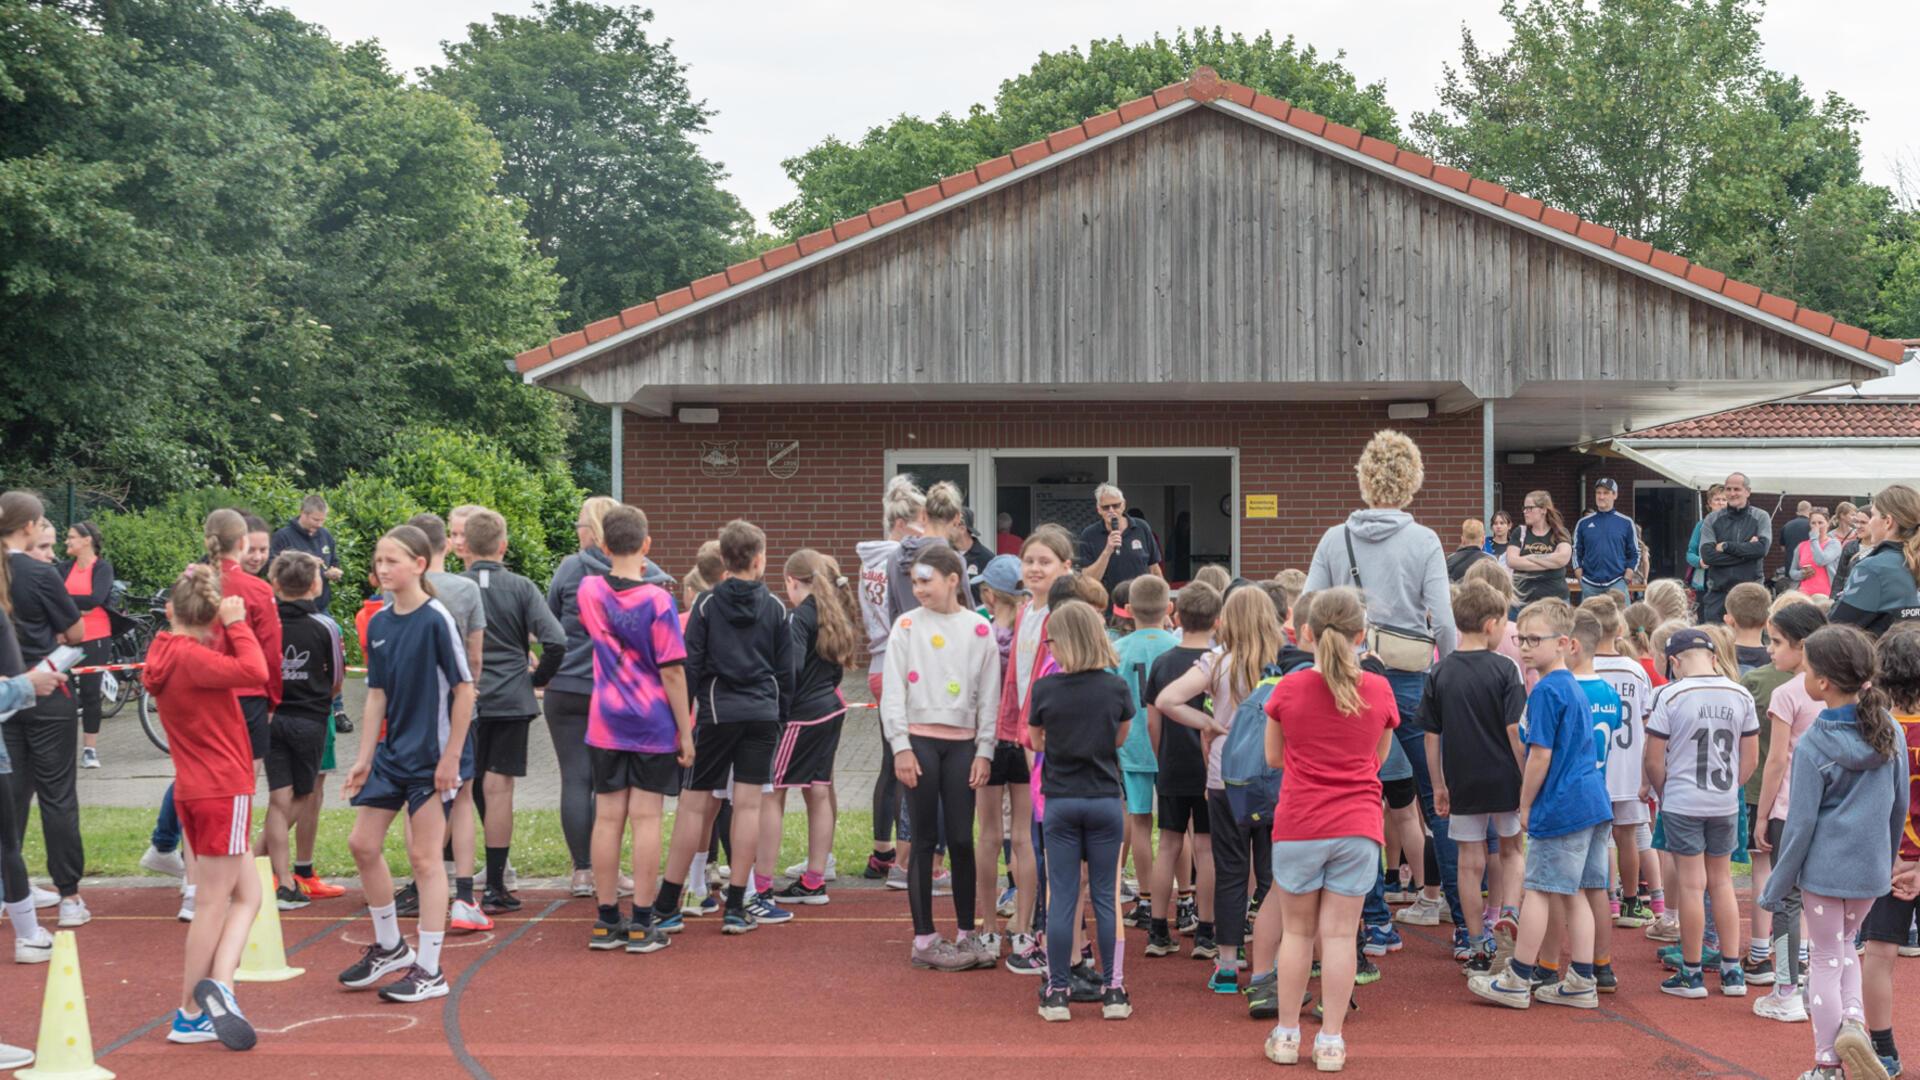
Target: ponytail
[
  {"x": 196, "y": 595},
  {"x": 225, "y": 531},
  {"x": 1338, "y": 616}
]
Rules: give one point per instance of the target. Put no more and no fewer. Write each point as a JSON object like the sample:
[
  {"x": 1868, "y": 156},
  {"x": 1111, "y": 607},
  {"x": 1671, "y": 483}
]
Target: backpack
[{"x": 1253, "y": 786}]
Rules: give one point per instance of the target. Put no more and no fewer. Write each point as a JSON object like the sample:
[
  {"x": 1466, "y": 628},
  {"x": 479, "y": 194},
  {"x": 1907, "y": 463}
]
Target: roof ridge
[{"x": 1203, "y": 86}]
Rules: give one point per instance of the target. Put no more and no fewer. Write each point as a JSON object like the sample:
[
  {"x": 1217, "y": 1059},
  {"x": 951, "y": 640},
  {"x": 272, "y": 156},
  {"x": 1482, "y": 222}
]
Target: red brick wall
[{"x": 1302, "y": 452}]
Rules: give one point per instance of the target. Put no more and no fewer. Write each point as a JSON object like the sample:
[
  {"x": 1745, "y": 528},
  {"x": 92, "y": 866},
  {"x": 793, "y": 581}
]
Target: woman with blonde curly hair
[{"x": 1400, "y": 569}]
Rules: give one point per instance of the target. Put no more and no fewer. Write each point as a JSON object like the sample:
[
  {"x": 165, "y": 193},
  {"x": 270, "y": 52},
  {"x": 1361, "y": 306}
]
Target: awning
[{"x": 1805, "y": 468}]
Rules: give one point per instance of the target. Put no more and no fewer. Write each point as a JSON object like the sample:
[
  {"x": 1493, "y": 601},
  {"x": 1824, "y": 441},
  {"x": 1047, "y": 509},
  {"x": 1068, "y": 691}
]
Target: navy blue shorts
[{"x": 383, "y": 792}]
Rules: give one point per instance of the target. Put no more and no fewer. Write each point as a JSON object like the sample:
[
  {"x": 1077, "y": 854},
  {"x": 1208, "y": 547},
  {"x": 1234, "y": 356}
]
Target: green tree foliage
[
  {"x": 1660, "y": 119},
  {"x": 838, "y": 179},
  {"x": 228, "y": 245}
]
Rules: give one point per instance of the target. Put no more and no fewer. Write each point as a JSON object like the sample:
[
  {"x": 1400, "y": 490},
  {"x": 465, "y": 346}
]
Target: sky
[{"x": 783, "y": 75}]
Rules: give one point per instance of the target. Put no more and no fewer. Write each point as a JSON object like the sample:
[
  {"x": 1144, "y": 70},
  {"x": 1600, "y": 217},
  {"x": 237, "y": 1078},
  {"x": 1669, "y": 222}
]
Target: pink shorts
[{"x": 218, "y": 826}]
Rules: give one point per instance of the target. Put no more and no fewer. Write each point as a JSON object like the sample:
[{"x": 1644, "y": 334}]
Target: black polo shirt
[
  {"x": 42, "y": 607},
  {"x": 1137, "y": 554}
]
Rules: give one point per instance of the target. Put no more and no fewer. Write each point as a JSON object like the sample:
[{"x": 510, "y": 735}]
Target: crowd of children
[{"x": 1591, "y": 768}]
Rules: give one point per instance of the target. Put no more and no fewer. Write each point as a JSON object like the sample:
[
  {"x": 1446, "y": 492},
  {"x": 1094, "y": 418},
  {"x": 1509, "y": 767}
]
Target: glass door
[{"x": 970, "y": 469}]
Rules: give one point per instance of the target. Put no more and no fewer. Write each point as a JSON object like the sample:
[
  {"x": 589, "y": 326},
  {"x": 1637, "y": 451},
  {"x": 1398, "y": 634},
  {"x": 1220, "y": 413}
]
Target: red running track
[{"x": 832, "y": 994}]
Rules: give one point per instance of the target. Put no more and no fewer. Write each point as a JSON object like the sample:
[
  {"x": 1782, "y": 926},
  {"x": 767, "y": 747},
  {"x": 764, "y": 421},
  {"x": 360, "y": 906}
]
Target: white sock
[
  {"x": 386, "y": 925},
  {"x": 189, "y": 892},
  {"x": 428, "y": 955},
  {"x": 697, "y": 871},
  {"x": 26, "y": 925}
]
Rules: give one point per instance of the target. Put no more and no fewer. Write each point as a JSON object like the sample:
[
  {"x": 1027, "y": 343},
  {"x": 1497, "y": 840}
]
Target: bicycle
[{"x": 129, "y": 646}]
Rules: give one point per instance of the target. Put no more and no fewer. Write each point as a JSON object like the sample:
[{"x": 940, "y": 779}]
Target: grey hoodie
[
  {"x": 563, "y": 599},
  {"x": 1846, "y": 813},
  {"x": 875, "y": 556},
  {"x": 1403, "y": 571}
]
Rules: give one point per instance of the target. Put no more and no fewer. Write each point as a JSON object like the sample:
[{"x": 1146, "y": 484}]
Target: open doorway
[
  {"x": 1666, "y": 514},
  {"x": 1189, "y": 504}
]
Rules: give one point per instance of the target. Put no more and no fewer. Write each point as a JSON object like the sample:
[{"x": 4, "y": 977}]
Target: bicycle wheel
[{"x": 150, "y": 723}]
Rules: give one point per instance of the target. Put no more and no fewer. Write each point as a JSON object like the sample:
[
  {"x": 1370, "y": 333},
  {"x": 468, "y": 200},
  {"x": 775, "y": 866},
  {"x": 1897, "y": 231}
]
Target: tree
[{"x": 838, "y": 179}]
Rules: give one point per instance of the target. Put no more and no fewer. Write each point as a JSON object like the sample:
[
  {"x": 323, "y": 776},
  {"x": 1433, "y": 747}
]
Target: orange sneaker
[{"x": 317, "y": 889}]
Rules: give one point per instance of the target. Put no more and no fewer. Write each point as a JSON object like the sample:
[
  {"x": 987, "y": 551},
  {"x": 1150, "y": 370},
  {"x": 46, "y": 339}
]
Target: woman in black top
[
  {"x": 44, "y": 742},
  {"x": 89, "y": 580},
  {"x": 1539, "y": 553}
]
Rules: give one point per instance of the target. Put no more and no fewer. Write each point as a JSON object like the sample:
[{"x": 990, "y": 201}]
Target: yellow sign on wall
[{"x": 1263, "y": 506}]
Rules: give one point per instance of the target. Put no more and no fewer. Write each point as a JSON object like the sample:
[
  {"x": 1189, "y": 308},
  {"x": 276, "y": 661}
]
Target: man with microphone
[{"x": 1117, "y": 548}]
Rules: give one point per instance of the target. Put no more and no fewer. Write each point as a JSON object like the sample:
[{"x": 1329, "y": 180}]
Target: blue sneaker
[
  {"x": 763, "y": 909},
  {"x": 671, "y": 924},
  {"x": 1686, "y": 984},
  {"x": 738, "y": 922},
  {"x": 1381, "y": 940},
  {"x": 218, "y": 1007},
  {"x": 1462, "y": 945},
  {"x": 1891, "y": 1064},
  {"x": 1224, "y": 981},
  {"x": 199, "y": 1029},
  {"x": 1670, "y": 958}
]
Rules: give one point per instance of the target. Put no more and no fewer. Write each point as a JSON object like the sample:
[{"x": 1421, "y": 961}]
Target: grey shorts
[
  {"x": 1713, "y": 836},
  {"x": 1564, "y": 865},
  {"x": 1475, "y": 828},
  {"x": 1347, "y": 865}
]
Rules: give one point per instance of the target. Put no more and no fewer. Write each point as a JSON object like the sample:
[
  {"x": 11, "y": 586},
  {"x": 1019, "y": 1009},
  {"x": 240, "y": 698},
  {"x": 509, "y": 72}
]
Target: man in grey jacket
[{"x": 1733, "y": 546}]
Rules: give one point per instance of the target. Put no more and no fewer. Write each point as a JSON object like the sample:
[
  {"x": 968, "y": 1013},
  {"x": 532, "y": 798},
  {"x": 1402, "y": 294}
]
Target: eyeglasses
[
  {"x": 1529, "y": 506},
  {"x": 1532, "y": 641}
]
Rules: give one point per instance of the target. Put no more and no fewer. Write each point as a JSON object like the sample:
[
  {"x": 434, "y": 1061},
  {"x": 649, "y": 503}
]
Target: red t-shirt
[
  {"x": 1653, "y": 676},
  {"x": 194, "y": 686},
  {"x": 263, "y": 618},
  {"x": 1330, "y": 778},
  {"x": 1910, "y": 840}
]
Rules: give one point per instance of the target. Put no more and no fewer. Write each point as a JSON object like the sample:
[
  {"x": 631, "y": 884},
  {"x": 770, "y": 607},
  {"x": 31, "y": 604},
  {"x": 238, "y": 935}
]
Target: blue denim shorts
[
  {"x": 1564, "y": 865},
  {"x": 1347, "y": 865}
]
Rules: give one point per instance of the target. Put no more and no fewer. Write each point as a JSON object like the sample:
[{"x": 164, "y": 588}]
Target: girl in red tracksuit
[{"x": 194, "y": 686}]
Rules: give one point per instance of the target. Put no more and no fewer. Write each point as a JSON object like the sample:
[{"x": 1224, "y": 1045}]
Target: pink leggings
[{"x": 1833, "y": 972}]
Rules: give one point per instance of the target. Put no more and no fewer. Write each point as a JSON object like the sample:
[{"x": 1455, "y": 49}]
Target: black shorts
[
  {"x": 500, "y": 745},
  {"x": 622, "y": 770},
  {"x": 1889, "y": 920},
  {"x": 258, "y": 712},
  {"x": 745, "y": 750},
  {"x": 294, "y": 746},
  {"x": 1179, "y": 811},
  {"x": 1009, "y": 765},
  {"x": 1399, "y": 792},
  {"x": 806, "y": 751},
  {"x": 383, "y": 792}
]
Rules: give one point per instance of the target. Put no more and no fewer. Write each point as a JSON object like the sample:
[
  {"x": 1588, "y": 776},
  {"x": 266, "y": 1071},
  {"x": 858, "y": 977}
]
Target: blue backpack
[{"x": 1253, "y": 786}]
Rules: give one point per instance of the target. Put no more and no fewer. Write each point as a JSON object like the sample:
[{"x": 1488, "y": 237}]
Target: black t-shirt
[
  {"x": 1137, "y": 554},
  {"x": 1471, "y": 698},
  {"x": 1752, "y": 656},
  {"x": 976, "y": 558},
  {"x": 1531, "y": 585},
  {"x": 1183, "y": 765},
  {"x": 1081, "y": 714},
  {"x": 42, "y": 607}
]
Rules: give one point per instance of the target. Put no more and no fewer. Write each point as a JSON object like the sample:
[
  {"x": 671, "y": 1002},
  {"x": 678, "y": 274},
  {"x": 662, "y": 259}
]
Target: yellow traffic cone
[
  {"x": 65, "y": 1051},
  {"x": 265, "y": 959}
]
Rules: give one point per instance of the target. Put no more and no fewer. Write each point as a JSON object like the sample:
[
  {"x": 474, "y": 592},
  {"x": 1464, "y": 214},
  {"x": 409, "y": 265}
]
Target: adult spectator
[
  {"x": 1471, "y": 550},
  {"x": 972, "y": 551},
  {"x": 1606, "y": 544},
  {"x": 1697, "y": 577},
  {"x": 1006, "y": 541},
  {"x": 1733, "y": 546},
  {"x": 1795, "y": 530},
  {"x": 1848, "y": 521},
  {"x": 89, "y": 578},
  {"x": 1882, "y": 588},
  {"x": 43, "y": 742},
  {"x": 1118, "y": 547},
  {"x": 1538, "y": 553},
  {"x": 308, "y": 532},
  {"x": 1811, "y": 563},
  {"x": 1401, "y": 571}
]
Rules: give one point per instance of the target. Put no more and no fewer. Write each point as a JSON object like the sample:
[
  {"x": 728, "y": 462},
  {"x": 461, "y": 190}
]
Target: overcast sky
[{"x": 783, "y": 75}]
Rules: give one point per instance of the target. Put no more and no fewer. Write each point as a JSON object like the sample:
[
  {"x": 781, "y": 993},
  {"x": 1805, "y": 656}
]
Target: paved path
[{"x": 136, "y": 773}]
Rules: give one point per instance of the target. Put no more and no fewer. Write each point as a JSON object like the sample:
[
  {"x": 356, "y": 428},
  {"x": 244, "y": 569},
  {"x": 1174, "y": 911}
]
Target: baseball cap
[
  {"x": 1002, "y": 575},
  {"x": 1686, "y": 640},
  {"x": 1609, "y": 484}
]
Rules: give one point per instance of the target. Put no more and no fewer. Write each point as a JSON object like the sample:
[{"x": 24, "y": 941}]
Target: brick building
[{"x": 1207, "y": 296}]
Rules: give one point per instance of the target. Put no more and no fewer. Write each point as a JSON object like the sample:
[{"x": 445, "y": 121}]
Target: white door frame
[{"x": 981, "y": 495}]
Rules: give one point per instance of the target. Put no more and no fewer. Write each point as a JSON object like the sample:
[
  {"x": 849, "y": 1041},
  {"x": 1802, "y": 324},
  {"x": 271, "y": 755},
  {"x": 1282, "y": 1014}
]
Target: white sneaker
[
  {"x": 73, "y": 912},
  {"x": 15, "y": 1057},
  {"x": 1786, "y": 1008},
  {"x": 169, "y": 863},
  {"x": 511, "y": 878},
  {"x": 896, "y": 878},
  {"x": 1422, "y": 912},
  {"x": 43, "y": 898},
  {"x": 582, "y": 883},
  {"x": 832, "y": 874},
  {"x": 33, "y": 950},
  {"x": 186, "y": 908},
  {"x": 89, "y": 758},
  {"x": 623, "y": 888}
]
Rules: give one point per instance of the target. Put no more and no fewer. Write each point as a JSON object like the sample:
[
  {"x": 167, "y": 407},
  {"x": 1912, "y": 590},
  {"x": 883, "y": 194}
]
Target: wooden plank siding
[{"x": 1206, "y": 250}]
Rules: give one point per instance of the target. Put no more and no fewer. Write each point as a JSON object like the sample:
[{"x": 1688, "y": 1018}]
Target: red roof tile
[
  {"x": 1799, "y": 420},
  {"x": 1205, "y": 86}
]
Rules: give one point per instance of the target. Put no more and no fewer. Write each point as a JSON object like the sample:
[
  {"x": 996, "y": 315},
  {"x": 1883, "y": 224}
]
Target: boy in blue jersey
[
  {"x": 1149, "y": 602},
  {"x": 420, "y": 698},
  {"x": 1606, "y": 711},
  {"x": 1566, "y": 815}
]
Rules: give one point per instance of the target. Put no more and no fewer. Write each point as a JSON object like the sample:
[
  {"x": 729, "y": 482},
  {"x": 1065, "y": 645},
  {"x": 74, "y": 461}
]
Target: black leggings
[
  {"x": 567, "y": 724},
  {"x": 93, "y": 653},
  {"x": 14, "y": 885},
  {"x": 944, "y": 765}
]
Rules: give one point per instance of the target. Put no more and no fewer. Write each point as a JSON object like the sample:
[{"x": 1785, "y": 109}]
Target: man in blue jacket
[
  {"x": 1606, "y": 544},
  {"x": 308, "y": 533}
]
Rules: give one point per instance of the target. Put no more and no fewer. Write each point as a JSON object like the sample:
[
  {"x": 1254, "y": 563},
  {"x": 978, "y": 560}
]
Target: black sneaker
[
  {"x": 216, "y": 1001},
  {"x": 877, "y": 868},
  {"x": 1603, "y": 979},
  {"x": 607, "y": 936},
  {"x": 1263, "y": 996},
  {"x": 1083, "y": 984},
  {"x": 406, "y": 902},
  {"x": 376, "y": 963},
  {"x": 646, "y": 939},
  {"x": 1365, "y": 970},
  {"x": 1141, "y": 918},
  {"x": 798, "y": 893},
  {"x": 1053, "y": 1005},
  {"x": 1544, "y": 976},
  {"x": 418, "y": 984},
  {"x": 1187, "y": 916},
  {"x": 499, "y": 903},
  {"x": 1161, "y": 945},
  {"x": 1479, "y": 963},
  {"x": 342, "y": 724},
  {"x": 1032, "y": 961},
  {"x": 290, "y": 899},
  {"x": 1204, "y": 949},
  {"x": 1114, "y": 1004}
]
